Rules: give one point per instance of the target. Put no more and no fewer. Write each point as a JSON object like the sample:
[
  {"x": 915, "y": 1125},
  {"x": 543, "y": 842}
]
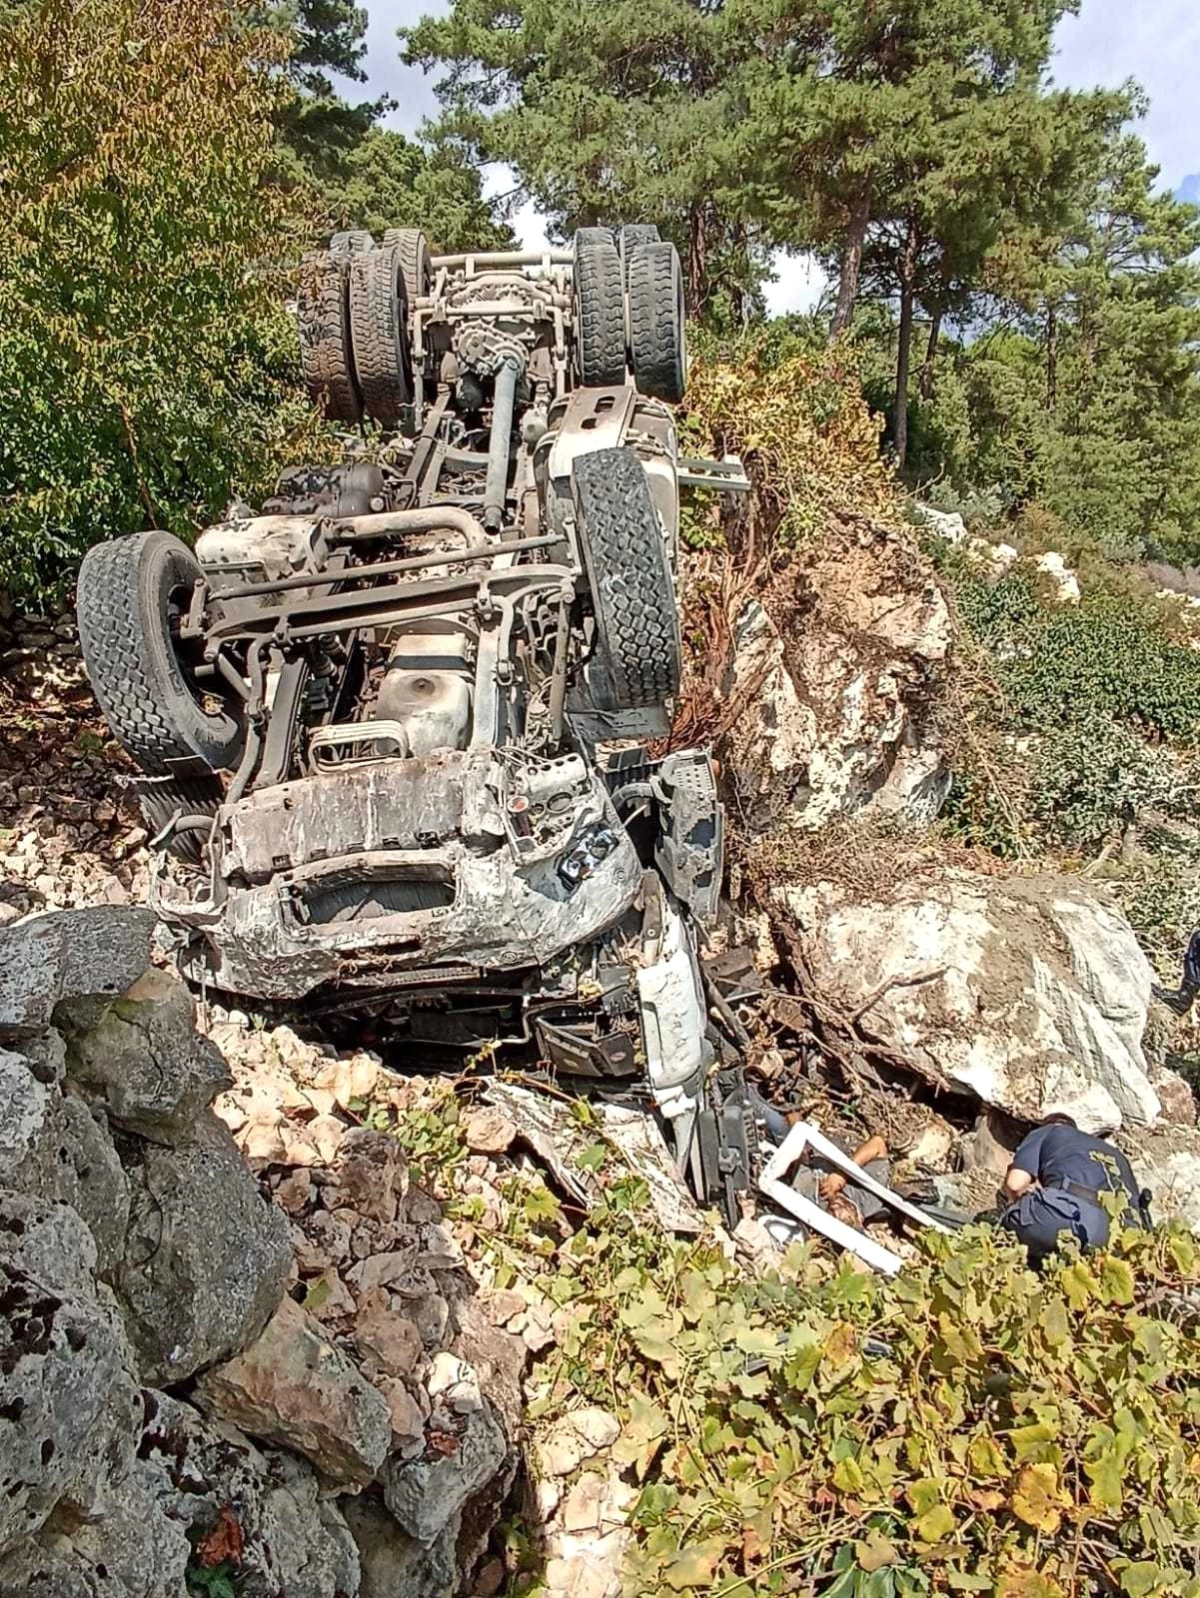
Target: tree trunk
[
  {"x": 907, "y": 273},
  {"x": 925, "y": 381},
  {"x": 695, "y": 288},
  {"x": 1051, "y": 358},
  {"x": 856, "y": 233}
]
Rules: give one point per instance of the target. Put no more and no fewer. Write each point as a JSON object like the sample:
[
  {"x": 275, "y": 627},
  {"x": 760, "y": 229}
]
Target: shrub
[{"x": 142, "y": 338}]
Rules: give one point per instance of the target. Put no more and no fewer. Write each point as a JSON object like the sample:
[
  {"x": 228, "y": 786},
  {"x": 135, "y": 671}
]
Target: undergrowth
[{"x": 967, "y": 1427}]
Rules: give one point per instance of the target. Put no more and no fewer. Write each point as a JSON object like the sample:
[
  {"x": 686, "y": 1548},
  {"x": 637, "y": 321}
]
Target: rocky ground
[{"x": 269, "y": 1315}]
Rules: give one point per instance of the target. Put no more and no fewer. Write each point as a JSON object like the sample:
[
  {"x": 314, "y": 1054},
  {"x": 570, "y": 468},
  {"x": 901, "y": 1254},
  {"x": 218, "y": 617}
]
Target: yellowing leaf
[
  {"x": 987, "y": 1458},
  {"x": 1022, "y": 1581},
  {"x": 1056, "y": 1328},
  {"x": 1106, "y": 1473},
  {"x": 1116, "y": 1278},
  {"x": 847, "y": 1477},
  {"x": 1036, "y": 1498},
  {"x": 1078, "y": 1283},
  {"x": 923, "y": 1494},
  {"x": 875, "y": 1552},
  {"x": 935, "y": 1525},
  {"x": 695, "y": 1566}
]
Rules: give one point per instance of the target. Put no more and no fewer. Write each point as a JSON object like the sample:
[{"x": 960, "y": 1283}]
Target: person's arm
[
  {"x": 1026, "y": 1165},
  {"x": 873, "y": 1149}
]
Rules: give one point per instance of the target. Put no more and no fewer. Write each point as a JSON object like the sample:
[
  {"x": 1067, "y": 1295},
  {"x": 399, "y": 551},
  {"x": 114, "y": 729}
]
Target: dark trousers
[{"x": 1045, "y": 1216}]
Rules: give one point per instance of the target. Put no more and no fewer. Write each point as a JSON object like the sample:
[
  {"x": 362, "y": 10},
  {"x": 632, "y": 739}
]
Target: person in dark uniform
[{"x": 1055, "y": 1181}]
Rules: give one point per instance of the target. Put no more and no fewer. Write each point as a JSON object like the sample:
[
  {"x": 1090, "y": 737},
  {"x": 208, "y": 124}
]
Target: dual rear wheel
[
  {"x": 353, "y": 310},
  {"x": 629, "y": 311}
]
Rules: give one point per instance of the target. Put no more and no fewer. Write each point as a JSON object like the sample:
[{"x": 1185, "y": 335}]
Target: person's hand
[{"x": 831, "y": 1186}]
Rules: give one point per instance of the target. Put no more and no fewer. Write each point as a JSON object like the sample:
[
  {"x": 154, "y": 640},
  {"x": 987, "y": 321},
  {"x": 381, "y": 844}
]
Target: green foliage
[
  {"x": 145, "y": 359},
  {"x": 217, "y": 1581},
  {"x": 621, "y": 112},
  {"x": 388, "y": 180},
  {"x": 968, "y": 1426},
  {"x": 1092, "y": 717}
]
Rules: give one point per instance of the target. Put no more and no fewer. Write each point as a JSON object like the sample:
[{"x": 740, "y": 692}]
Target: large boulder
[
  {"x": 206, "y": 1256},
  {"x": 33, "y": 1157},
  {"x": 392, "y": 1562},
  {"x": 68, "y": 1399},
  {"x": 68, "y": 955},
  {"x": 1167, "y": 1161},
  {"x": 99, "y": 1186},
  {"x": 840, "y": 677},
  {"x": 145, "y": 1060},
  {"x": 293, "y": 1387},
  {"x": 1031, "y": 992}
]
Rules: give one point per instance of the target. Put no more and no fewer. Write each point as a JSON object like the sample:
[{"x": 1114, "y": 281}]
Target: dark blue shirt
[{"x": 1056, "y": 1155}]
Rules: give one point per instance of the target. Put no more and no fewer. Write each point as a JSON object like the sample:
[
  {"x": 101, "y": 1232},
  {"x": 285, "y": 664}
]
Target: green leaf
[
  {"x": 1056, "y": 1328},
  {"x": 935, "y": 1525},
  {"x": 1106, "y": 1474},
  {"x": 758, "y": 1340},
  {"x": 987, "y": 1458},
  {"x": 1078, "y": 1283},
  {"x": 593, "y": 1157},
  {"x": 1032, "y": 1442},
  {"x": 848, "y": 1477},
  {"x": 1141, "y": 1577},
  {"x": 1116, "y": 1278}
]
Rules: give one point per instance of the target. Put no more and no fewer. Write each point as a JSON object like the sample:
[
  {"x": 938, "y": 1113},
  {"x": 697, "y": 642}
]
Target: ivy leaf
[
  {"x": 592, "y": 1157},
  {"x": 1078, "y": 1283},
  {"x": 1036, "y": 1498},
  {"x": 642, "y": 1434},
  {"x": 936, "y": 1525},
  {"x": 987, "y": 1457},
  {"x": 1056, "y": 1328},
  {"x": 1029, "y": 1442},
  {"x": 1143, "y": 1576},
  {"x": 1116, "y": 1278},
  {"x": 695, "y": 1566},
  {"x": 875, "y": 1552},
  {"x": 1106, "y": 1475},
  {"x": 757, "y": 1340}
]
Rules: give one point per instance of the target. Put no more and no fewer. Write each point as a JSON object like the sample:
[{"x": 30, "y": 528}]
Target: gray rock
[
  {"x": 315, "y": 1554},
  {"x": 47, "y": 1241},
  {"x": 296, "y": 1543},
  {"x": 424, "y": 1494},
  {"x": 68, "y": 1400},
  {"x": 206, "y": 1256},
  {"x": 48, "y": 1567},
  {"x": 145, "y": 1059},
  {"x": 293, "y": 1387},
  {"x": 392, "y": 1562},
  {"x": 136, "y": 1543},
  {"x": 31, "y": 1132},
  {"x": 68, "y": 955},
  {"x": 101, "y": 1188}
]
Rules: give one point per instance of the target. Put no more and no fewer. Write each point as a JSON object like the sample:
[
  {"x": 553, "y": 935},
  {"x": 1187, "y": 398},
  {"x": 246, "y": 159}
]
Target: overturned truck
[{"x": 395, "y": 729}]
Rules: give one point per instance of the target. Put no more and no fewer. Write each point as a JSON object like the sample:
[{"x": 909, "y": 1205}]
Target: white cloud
[
  {"x": 799, "y": 284},
  {"x": 1156, "y": 42}
]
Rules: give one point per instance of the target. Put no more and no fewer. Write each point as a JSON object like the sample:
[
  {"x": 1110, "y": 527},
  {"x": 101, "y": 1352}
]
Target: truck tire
[
  {"x": 166, "y": 797},
  {"x": 378, "y": 332},
  {"x": 633, "y": 597},
  {"x": 128, "y": 591},
  {"x": 657, "y": 328},
  {"x": 326, "y": 351},
  {"x": 351, "y": 242},
  {"x": 630, "y": 237},
  {"x": 599, "y": 309},
  {"x": 416, "y": 265}
]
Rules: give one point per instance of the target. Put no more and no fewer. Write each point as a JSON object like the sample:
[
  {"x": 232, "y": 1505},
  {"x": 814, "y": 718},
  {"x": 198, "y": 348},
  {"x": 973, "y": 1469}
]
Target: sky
[{"x": 1156, "y": 42}]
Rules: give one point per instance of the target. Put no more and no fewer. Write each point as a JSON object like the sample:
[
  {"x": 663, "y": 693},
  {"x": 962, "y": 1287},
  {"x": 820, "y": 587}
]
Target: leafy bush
[
  {"x": 143, "y": 345},
  {"x": 968, "y": 1426}
]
